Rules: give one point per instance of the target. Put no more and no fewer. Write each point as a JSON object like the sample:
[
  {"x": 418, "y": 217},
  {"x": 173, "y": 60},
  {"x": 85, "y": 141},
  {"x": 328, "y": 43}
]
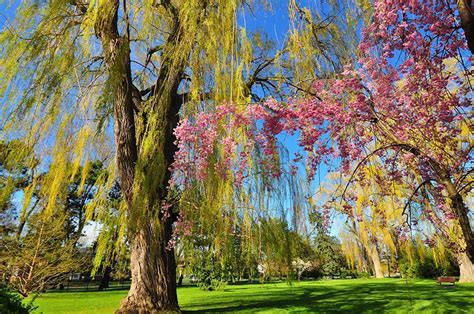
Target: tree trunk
[
  {"x": 104, "y": 282},
  {"x": 363, "y": 265},
  {"x": 145, "y": 150},
  {"x": 464, "y": 235},
  {"x": 467, "y": 21},
  {"x": 466, "y": 267},
  {"x": 374, "y": 256},
  {"x": 153, "y": 269}
]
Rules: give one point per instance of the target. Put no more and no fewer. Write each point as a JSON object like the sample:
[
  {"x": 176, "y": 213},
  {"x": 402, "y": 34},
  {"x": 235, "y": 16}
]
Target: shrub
[
  {"x": 362, "y": 274},
  {"x": 210, "y": 273},
  {"x": 12, "y": 303},
  {"x": 424, "y": 269},
  {"x": 349, "y": 273}
]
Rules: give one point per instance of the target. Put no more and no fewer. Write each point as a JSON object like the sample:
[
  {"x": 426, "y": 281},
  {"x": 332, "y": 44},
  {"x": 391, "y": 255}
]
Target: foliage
[
  {"x": 405, "y": 105},
  {"x": 211, "y": 274},
  {"x": 12, "y": 303},
  {"x": 40, "y": 259},
  {"x": 41, "y": 249},
  {"x": 425, "y": 266},
  {"x": 71, "y": 69},
  {"x": 186, "y": 148},
  {"x": 329, "y": 254},
  {"x": 15, "y": 175}
]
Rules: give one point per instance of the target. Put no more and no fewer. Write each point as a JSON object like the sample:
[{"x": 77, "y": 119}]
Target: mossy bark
[
  {"x": 153, "y": 269},
  {"x": 145, "y": 148}
]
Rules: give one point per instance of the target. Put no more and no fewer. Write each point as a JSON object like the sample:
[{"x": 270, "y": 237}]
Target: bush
[
  {"x": 425, "y": 269},
  {"x": 363, "y": 275},
  {"x": 12, "y": 303},
  {"x": 210, "y": 273},
  {"x": 345, "y": 273}
]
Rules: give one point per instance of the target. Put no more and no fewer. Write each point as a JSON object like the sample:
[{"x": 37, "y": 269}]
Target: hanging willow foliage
[
  {"x": 79, "y": 79},
  {"x": 57, "y": 90}
]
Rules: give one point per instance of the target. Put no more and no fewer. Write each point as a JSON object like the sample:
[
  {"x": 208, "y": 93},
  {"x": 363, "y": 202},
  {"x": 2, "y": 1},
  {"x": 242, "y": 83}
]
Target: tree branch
[
  {"x": 150, "y": 53},
  {"x": 82, "y": 6},
  {"x": 407, "y": 204}
]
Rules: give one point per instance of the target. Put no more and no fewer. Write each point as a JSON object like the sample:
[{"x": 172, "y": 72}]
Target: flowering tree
[
  {"x": 408, "y": 98},
  {"x": 300, "y": 266},
  {"x": 411, "y": 96}
]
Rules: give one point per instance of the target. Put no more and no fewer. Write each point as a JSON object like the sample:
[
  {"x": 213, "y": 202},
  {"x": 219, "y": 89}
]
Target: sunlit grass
[{"x": 357, "y": 295}]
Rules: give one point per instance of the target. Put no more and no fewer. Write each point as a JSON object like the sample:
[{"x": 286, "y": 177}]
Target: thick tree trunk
[
  {"x": 466, "y": 267},
  {"x": 458, "y": 229},
  {"x": 464, "y": 234},
  {"x": 465, "y": 255},
  {"x": 153, "y": 269},
  {"x": 144, "y": 153}
]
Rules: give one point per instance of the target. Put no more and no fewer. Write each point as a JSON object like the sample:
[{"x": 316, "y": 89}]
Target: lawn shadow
[{"x": 372, "y": 297}]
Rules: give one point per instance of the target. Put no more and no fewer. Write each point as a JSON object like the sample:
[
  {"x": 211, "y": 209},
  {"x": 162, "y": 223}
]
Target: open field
[{"x": 356, "y": 295}]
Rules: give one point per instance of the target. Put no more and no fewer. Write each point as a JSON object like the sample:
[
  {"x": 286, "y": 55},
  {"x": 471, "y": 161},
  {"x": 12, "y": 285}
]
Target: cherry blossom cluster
[
  {"x": 408, "y": 92},
  {"x": 182, "y": 227},
  {"x": 225, "y": 140}
]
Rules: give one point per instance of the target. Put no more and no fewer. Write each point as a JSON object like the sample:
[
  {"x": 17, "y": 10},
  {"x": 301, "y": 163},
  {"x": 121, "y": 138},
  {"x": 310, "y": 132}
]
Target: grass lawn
[{"x": 353, "y": 295}]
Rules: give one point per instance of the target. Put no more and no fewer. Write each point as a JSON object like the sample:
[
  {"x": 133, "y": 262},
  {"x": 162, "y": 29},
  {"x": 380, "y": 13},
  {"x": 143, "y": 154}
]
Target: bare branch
[
  {"x": 407, "y": 204},
  {"x": 81, "y": 5},
  {"x": 150, "y": 53}
]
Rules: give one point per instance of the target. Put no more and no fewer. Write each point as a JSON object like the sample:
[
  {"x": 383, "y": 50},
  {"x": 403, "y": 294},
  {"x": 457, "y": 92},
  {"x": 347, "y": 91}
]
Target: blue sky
[{"x": 275, "y": 23}]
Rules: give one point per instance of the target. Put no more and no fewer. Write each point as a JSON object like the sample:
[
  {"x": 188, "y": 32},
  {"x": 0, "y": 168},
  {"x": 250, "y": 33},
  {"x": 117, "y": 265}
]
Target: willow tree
[
  {"x": 71, "y": 69},
  {"x": 370, "y": 203},
  {"x": 67, "y": 73}
]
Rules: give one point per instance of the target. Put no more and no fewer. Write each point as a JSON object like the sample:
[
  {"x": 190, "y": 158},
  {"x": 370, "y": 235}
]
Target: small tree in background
[
  {"x": 300, "y": 266},
  {"x": 42, "y": 258}
]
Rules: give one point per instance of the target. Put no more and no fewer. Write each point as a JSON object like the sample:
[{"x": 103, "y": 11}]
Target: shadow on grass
[
  {"x": 90, "y": 289},
  {"x": 373, "y": 297}
]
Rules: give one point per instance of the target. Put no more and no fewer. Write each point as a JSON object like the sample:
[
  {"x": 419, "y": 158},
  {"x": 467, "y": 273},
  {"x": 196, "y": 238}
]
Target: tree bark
[
  {"x": 153, "y": 287},
  {"x": 145, "y": 153},
  {"x": 463, "y": 233},
  {"x": 145, "y": 149},
  {"x": 153, "y": 269},
  {"x": 466, "y": 267},
  {"x": 374, "y": 256},
  {"x": 467, "y": 21}
]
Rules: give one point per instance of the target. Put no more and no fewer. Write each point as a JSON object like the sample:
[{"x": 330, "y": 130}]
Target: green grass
[{"x": 356, "y": 295}]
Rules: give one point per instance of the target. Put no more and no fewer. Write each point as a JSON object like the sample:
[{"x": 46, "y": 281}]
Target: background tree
[
  {"x": 42, "y": 258},
  {"x": 16, "y": 172},
  {"x": 329, "y": 259}
]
